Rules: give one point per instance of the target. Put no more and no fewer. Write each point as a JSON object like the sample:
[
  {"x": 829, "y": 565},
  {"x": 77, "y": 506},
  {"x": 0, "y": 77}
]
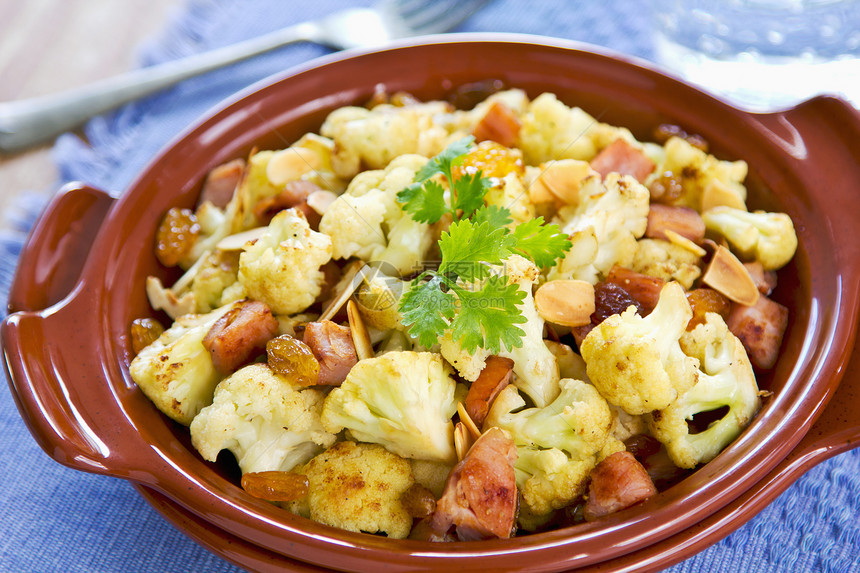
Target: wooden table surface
[{"x": 51, "y": 45}]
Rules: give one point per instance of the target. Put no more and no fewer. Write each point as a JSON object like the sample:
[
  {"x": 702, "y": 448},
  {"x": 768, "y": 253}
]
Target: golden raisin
[
  {"x": 176, "y": 236},
  {"x": 666, "y": 189},
  {"x": 492, "y": 159},
  {"x": 665, "y": 131},
  {"x": 704, "y": 300},
  {"x": 294, "y": 359},
  {"x": 418, "y": 501},
  {"x": 144, "y": 331},
  {"x": 275, "y": 485}
]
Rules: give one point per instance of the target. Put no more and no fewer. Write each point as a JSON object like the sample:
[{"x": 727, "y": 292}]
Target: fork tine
[
  {"x": 450, "y": 20},
  {"x": 429, "y": 17}
]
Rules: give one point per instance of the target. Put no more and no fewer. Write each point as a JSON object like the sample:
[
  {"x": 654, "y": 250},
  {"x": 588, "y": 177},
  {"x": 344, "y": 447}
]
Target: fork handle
[{"x": 28, "y": 122}]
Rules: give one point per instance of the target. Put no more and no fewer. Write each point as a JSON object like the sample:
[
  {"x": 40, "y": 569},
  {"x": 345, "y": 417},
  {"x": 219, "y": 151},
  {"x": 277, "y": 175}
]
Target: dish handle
[
  {"x": 51, "y": 261},
  {"x": 50, "y": 270},
  {"x": 837, "y": 426}
]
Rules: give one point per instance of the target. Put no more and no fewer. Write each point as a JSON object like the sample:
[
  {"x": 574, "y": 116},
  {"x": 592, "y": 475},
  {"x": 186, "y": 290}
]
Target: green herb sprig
[
  {"x": 425, "y": 198},
  {"x": 466, "y": 294}
]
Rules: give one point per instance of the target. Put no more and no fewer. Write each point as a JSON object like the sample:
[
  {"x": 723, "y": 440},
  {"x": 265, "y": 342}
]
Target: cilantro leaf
[
  {"x": 463, "y": 296},
  {"x": 543, "y": 244},
  {"x": 425, "y": 202},
  {"x": 494, "y": 215},
  {"x": 488, "y": 318},
  {"x": 469, "y": 191},
  {"x": 468, "y": 249},
  {"x": 426, "y": 309},
  {"x": 424, "y": 199},
  {"x": 443, "y": 162},
  {"x": 451, "y": 155}
]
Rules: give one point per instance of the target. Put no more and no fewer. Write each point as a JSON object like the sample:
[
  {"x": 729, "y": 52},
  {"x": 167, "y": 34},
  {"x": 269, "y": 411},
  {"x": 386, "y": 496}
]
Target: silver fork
[{"x": 27, "y": 122}]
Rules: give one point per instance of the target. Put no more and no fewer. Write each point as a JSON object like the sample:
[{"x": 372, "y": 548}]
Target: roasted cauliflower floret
[
  {"x": 766, "y": 237},
  {"x": 535, "y": 367},
  {"x": 282, "y": 268},
  {"x": 217, "y": 273},
  {"x": 551, "y": 130},
  {"x": 696, "y": 170},
  {"x": 578, "y": 261},
  {"x": 174, "y": 301},
  {"x": 357, "y": 487},
  {"x": 617, "y": 211},
  {"x": 726, "y": 379},
  {"x": 367, "y": 221},
  {"x": 637, "y": 363},
  {"x": 308, "y": 160},
  {"x": 666, "y": 260},
  {"x": 264, "y": 176},
  {"x": 266, "y": 421},
  {"x": 626, "y": 426},
  {"x": 431, "y": 475},
  {"x": 176, "y": 371},
  {"x": 557, "y": 445},
  {"x": 205, "y": 286},
  {"x": 510, "y": 193},
  {"x": 374, "y": 137},
  {"x": 402, "y": 400}
]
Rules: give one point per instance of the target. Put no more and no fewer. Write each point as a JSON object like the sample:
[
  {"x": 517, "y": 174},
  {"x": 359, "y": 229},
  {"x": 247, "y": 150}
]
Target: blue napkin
[{"x": 57, "y": 519}]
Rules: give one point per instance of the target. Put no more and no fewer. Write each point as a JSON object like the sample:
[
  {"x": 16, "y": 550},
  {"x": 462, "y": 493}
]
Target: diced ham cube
[
  {"x": 295, "y": 194},
  {"x": 760, "y": 328},
  {"x": 618, "y": 482},
  {"x": 765, "y": 281},
  {"x": 499, "y": 124},
  {"x": 621, "y": 157},
  {"x": 644, "y": 289},
  {"x": 683, "y": 220},
  {"x": 480, "y": 497},
  {"x": 221, "y": 183},
  {"x": 332, "y": 345},
  {"x": 236, "y": 336}
]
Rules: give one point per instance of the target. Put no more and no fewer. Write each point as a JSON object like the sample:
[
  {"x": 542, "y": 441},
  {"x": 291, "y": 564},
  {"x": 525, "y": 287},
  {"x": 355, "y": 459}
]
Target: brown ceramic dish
[{"x": 80, "y": 283}]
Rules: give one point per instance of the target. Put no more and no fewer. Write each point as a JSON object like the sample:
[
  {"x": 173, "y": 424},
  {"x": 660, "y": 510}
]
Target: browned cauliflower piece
[{"x": 357, "y": 487}]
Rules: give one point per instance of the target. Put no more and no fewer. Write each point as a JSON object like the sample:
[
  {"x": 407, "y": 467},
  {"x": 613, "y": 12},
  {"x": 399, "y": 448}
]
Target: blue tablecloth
[{"x": 57, "y": 519}]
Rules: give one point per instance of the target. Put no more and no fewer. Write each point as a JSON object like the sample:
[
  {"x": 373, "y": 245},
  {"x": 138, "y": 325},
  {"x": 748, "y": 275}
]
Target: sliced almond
[
  {"x": 239, "y": 241},
  {"x": 728, "y": 276},
  {"x": 718, "y": 194},
  {"x": 184, "y": 282},
  {"x": 291, "y": 163},
  {"x": 539, "y": 193},
  {"x": 321, "y": 200},
  {"x": 467, "y": 421},
  {"x": 566, "y": 302},
  {"x": 563, "y": 178},
  {"x": 684, "y": 243},
  {"x": 462, "y": 440},
  {"x": 360, "y": 337},
  {"x": 343, "y": 289}
]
